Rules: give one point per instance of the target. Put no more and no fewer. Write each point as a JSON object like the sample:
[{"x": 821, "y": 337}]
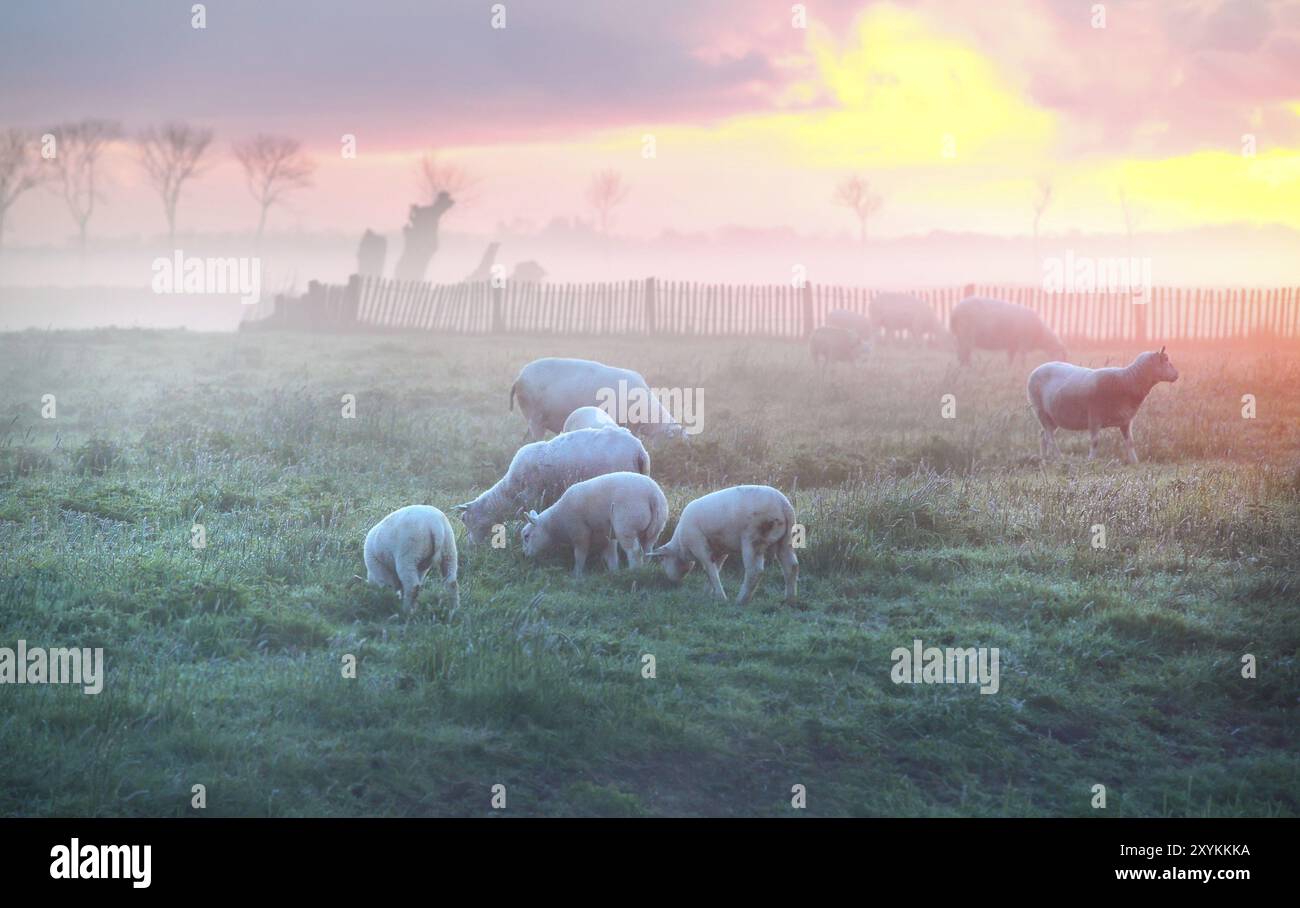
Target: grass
[{"x": 1119, "y": 666}]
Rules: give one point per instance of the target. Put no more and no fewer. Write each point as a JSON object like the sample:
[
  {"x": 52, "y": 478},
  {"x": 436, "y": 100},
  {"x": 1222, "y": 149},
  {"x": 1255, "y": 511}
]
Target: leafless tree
[
  {"x": 1041, "y": 202},
  {"x": 171, "y": 155},
  {"x": 273, "y": 166},
  {"x": 855, "y": 194},
  {"x": 606, "y": 192},
  {"x": 20, "y": 170},
  {"x": 435, "y": 175},
  {"x": 77, "y": 150},
  {"x": 1132, "y": 215}
]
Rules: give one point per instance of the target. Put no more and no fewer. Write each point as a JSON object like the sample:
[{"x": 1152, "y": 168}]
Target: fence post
[
  {"x": 352, "y": 301},
  {"x": 650, "y": 325},
  {"x": 807, "y": 308},
  {"x": 1139, "y": 319},
  {"x": 498, "y": 306}
]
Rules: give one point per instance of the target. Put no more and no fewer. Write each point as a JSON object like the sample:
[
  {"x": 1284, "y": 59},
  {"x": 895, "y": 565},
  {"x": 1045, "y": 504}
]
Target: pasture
[{"x": 1120, "y": 665}]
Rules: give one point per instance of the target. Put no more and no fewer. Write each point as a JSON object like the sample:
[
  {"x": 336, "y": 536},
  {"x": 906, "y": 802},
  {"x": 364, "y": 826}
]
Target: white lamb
[
  {"x": 588, "y": 418},
  {"x": 402, "y": 547},
  {"x": 756, "y": 521},
  {"x": 541, "y": 471},
  {"x": 549, "y": 389},
  {"x": 1077, "y": 398},
  {"x": 617, "y": 509}
]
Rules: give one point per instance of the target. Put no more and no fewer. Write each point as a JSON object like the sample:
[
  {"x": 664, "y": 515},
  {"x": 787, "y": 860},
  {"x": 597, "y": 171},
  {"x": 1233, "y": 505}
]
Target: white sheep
[
  {"x": 402, "y": 547},
  {"x": 755, "y": 521},
  {"x": 1077, "y": 398},
  {"x": 899, "y": 312},
  {"x": 549, "y": 389},
  {"x": 540, "y": 472},
  {"x": 617, "y": 509},
  {"x": 588, "y": 418},
  {"x": 832, "y": 345},
  {"x": 989, "y": 324}
]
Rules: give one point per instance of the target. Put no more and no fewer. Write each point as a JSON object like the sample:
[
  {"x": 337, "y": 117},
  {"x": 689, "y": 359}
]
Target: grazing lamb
[
  {"x": 550, "y": 389},
  {"x": 989, "y": 324},
  {"x": 402, "y": 547},
  {"x": 851, "y": 321},
  {"x": 617, "y": 509},
  {"x": 541, "y": 471},
  {"x": 756, "y": 521},
  {"x": 588, "y": 418},
  {"x": 1076, "y": 398},
  {"x": 838, "y": 345},
  {"x": 899, "y": 312}
]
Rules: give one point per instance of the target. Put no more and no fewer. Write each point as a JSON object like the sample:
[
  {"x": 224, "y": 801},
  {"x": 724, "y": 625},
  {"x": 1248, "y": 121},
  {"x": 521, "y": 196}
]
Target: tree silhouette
[
  {"x": 273, "y": 166},
  {"x": 855, "y": 194},
  {"x": 170, "y": 155},
  {"x": 77, "y": 150},
  {"x": 606, "y": 192},
  {"x": 436, "y": 176},
  {"x": 20, "y": 170}
]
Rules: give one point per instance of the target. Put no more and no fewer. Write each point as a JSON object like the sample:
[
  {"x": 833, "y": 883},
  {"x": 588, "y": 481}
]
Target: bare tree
[
  {"x": 20, "y": 170},
  {"x": 1132, "y": 215},
  {"x": 436, "y": 176},
  {"x": 606, "y": 192},
  {"x": 1041, "y": 202},
  {"x": 171, "y": 155},
  {"x": 273, "y": 166},
  {"x": 855, "y": 194},
  {"x": 77, "y": 150}
]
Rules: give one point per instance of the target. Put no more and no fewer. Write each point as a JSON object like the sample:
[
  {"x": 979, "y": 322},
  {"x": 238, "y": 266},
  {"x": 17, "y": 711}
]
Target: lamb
[
  {"x": 401, "y": 548},
  {"x": 551, "y": 388},
  {"x": 989, "y": 324},
  {"x": 898, "y": 312},
  {"x": 851, "y": 321},
  {"x": 829, "y": 344},
  {"x": 617, "y": 509},
  {"x": 588, "y": 418},
  {"x": 756, "y": 521},
  {"x": 540, "y": 472},
  {"x": 1076, "y": 398}
]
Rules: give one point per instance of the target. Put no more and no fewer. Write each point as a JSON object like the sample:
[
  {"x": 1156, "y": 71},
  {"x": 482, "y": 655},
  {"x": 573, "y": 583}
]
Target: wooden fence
[{"x": 685, "y": 309}]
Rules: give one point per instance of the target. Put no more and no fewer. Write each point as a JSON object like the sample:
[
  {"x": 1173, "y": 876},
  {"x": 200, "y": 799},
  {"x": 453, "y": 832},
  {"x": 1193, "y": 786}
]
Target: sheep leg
[
  {"x": 1094, "y": 434},
  {"x": 409, "y": 578},
  {"x": 754, "y": 563},
  {"x": 790, "y": 568},
  {"x": 1127, "y": 431},
  {"x": 611, "y": 555},
  {"x": 632, "y": 546},
  {"x": 449, "y": 582}
]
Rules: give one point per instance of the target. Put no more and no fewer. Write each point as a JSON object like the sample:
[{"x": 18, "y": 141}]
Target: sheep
[
  {"x": 588, "y": 418},
  {"x": 830, "y": 344},
  {"x": 989, "y": 324},
  {"x": 401, "y": 548},
  {"x": 756, "y": 521},
  {"x": 1076, "y": 398},
  {"x": 898, "y": 312},
  {"x": 616, "y": 509},
  {"x": 540, "y": 472},
  {"x": 851, "y": 321},
  {"x": 551, "y": 388}
]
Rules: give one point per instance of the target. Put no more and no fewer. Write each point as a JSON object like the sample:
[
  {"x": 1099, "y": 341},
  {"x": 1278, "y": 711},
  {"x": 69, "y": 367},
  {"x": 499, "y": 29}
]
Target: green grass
[{"x": 1119, "y": 666}]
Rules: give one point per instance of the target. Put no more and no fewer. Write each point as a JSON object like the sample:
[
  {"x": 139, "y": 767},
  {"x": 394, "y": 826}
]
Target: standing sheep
[
  {"x": 540, "y": 472},
  {"x": 851, "y": 321},
  {"x": 756, "y": 521},
  {"x": 1076, "y": 398},
  {"x": 989, "y": 324},
  {"x": 402, "y": 547},
  {"x": 835, "y": 345},
  {"x": 549, "y": 389},
  {"x": 588, "y": 418},
  {"x": 617, "y": 509},
  {"x": 899, "y": 312}
]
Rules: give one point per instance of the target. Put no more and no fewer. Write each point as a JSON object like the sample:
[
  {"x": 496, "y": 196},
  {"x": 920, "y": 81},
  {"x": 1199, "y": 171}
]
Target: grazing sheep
[
  {"x": 989, "y": 324},
  {"x": 402, "y": 547},
  {"x": 550, "y": 389},
  {"x": 1076, "y": 398},
  {"x": 830, "y": 344},
  {"x": 899, "y": 312},
  {"x": 756, "y": 521},
  {"x": 851, "y": 321},
  {"x": 588, "y": 418},
  {"x": 617, "y": 509},
  {"x": 541, "y": 471}
]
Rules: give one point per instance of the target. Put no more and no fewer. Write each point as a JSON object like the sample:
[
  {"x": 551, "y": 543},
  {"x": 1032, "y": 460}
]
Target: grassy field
[{"x": 1119, "y": 666}]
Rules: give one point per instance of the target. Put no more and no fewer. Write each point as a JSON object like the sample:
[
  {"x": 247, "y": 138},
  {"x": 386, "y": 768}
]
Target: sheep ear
[
  {"x": 1162, "y": 349},
  {"x": 531, "y": 516},
  {"x": 460, "y": 508},
  {"x": 657, "y": 553}
]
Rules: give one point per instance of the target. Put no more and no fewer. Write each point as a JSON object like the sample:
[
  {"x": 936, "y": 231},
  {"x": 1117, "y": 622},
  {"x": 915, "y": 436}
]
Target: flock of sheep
[{"x": 595, "y": 473}]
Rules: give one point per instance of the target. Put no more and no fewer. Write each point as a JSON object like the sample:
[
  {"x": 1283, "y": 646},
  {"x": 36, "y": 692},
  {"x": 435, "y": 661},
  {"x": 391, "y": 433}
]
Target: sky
[{"x": 716, "y": 112}]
